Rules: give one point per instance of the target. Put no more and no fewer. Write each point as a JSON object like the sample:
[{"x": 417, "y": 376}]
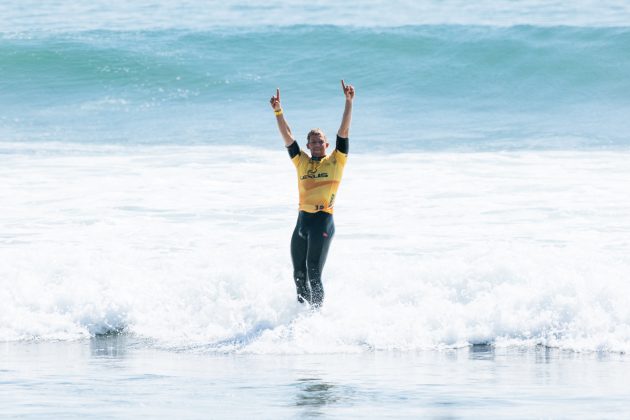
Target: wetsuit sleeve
[
  {"x": 341, "y": 151},
  {"x": 293, "y": 149},
  {"x": 342, "y": 145}
]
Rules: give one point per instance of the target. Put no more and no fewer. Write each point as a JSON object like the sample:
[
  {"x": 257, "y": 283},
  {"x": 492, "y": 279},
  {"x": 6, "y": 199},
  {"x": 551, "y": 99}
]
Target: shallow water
[{"x": 119, "y": 377}]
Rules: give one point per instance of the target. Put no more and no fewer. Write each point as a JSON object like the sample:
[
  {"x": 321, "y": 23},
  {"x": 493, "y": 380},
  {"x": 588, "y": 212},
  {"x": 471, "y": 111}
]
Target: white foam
[{"x": 189, "y": 247}]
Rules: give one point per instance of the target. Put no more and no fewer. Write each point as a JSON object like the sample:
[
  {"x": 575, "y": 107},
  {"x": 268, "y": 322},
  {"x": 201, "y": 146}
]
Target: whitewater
[{"x": 187, "y": 248}]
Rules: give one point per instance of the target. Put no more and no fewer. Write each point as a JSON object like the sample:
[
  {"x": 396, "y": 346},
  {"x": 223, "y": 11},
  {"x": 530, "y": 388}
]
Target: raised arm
[
  {"x": 285, "y": 131},
  {"x": 344, "y": 129}
]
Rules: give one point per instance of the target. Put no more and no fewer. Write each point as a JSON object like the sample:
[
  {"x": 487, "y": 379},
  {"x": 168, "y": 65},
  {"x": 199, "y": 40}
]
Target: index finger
[
  {"x": 278, "y": 93},
  {"x": 343, "y": 85}
]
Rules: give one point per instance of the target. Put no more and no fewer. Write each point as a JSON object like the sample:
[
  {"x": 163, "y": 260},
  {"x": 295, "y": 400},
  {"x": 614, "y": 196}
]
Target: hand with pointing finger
[
  {"x": 285, "y": 131},
  {"x": 348, "y": 91},
  {"x": 275, "y": 101}
]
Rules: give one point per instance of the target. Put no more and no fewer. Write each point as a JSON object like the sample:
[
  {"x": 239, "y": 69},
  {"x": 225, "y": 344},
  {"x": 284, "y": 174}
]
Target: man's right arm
[{"x": 285, "y": 130}]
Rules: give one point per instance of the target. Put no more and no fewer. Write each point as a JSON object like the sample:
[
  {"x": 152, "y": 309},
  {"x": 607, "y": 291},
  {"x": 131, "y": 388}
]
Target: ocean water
[
  {"x": 425, "y": 83},
  {"x": 115, "y": 377},
  {"x": 147, "y": 201}
]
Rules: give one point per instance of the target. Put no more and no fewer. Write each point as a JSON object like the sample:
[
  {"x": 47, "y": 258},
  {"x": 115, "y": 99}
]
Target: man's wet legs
[
  {"x": 317, "y": 251},
  {"x": 298, "y": 256},
  {"x": 309, "y": 248}
]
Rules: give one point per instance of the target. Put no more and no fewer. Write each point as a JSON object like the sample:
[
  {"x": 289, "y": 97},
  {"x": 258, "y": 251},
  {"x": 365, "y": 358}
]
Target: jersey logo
[{"x": 314, "y": 174}]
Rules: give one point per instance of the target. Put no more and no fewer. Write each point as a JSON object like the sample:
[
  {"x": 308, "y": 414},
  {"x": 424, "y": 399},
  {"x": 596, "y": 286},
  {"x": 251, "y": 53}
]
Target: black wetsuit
[
  {"x": 309, "y": 248},
  {"x": 313, "y": 233}
]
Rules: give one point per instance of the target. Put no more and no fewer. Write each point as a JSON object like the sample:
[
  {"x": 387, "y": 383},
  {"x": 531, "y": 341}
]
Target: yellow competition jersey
[{"x": 318, "y": 181}]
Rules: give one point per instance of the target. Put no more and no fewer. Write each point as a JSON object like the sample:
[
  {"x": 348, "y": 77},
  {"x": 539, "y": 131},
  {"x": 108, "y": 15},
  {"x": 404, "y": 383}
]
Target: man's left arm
[{"x": 344, "y": 129}]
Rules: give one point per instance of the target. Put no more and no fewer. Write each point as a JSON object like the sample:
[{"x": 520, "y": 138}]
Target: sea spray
[{"x": 180, "y": 246}]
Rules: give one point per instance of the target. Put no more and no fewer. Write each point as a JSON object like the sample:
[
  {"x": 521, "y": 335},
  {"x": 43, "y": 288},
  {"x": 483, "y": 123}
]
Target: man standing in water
[{"x": 318, "y": 180}]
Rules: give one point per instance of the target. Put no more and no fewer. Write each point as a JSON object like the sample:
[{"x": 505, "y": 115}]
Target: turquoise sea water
[
  {"x": 480, "y": 263},
  {"x": 427, "y": 86}
]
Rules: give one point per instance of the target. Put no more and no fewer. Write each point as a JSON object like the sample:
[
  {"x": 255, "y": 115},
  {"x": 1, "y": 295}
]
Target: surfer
[{"x": 318, "y": 180}]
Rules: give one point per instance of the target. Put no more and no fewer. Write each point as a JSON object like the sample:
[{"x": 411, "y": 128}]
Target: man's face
[{"x": 317, "y": 145}]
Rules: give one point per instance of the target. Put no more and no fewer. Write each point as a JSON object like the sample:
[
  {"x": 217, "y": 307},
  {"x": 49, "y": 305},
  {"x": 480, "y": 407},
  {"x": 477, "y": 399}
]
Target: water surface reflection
[{"x": 313, "y": 395}]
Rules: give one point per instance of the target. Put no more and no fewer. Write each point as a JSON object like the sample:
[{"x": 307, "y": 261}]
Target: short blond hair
[{"x": 316, "y": 131}]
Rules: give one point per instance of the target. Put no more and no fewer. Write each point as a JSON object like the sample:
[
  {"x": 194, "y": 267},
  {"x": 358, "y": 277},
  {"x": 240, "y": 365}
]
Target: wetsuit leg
[
  {"x": 298, "y": 256},
  {"x": 320, "y": 235}
]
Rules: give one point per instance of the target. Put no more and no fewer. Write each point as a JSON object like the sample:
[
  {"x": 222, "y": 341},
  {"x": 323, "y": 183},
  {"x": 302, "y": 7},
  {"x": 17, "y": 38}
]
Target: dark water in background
[{"x": 430, "y": 86}]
